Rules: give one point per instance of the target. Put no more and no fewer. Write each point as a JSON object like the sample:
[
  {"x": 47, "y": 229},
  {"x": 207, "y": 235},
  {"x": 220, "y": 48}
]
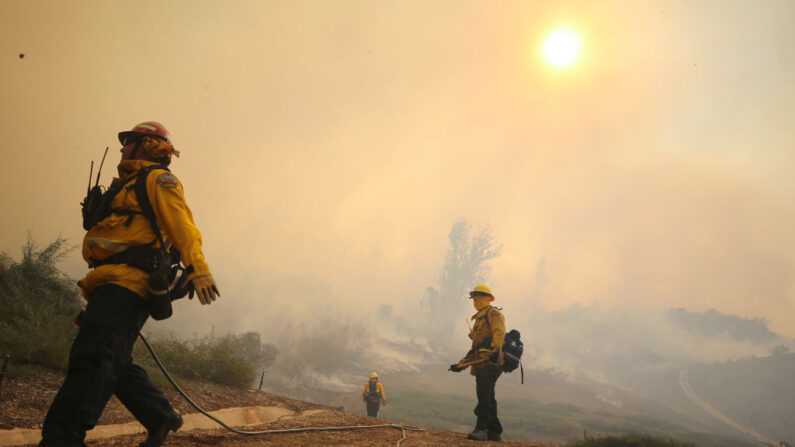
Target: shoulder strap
[
  {"x": 488, "y": 312},
  {"x": 143, "y": 200},
  {"x": 488, "y": 322}
]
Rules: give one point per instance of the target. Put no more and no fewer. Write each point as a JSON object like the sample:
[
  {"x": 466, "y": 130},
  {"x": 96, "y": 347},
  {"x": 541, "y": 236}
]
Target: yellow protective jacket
[
  {"x": 112, "y": 235},
  {"x": 488, "y": 336},
  {"x": 380, "y": 387}
]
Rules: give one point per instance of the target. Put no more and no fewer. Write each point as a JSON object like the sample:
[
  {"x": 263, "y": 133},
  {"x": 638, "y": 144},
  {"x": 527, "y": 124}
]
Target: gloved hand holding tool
[
  {"x": 205, "y": 288},
  {"x": 457, "y": 367}
]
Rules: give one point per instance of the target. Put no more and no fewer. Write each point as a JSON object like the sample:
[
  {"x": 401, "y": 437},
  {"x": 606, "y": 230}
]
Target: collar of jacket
[
  {"x": 481, "y": 312},
  {"x": 128, "y": 168}
]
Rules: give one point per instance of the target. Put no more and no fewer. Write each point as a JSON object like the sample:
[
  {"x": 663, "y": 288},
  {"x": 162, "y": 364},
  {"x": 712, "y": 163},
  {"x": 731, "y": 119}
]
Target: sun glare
[{"x": 562, "y": 48}]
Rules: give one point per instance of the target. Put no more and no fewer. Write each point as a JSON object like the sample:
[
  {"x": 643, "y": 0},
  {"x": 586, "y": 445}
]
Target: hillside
[
  {"x": 24, "y": 400},
  {"x": 762, "y": 392},
  {"x": 549, "y": 408}
]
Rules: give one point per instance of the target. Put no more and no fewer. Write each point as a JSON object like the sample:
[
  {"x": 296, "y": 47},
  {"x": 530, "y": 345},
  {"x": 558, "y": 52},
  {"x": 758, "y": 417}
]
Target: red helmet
[{"x": 148, "y": 128}]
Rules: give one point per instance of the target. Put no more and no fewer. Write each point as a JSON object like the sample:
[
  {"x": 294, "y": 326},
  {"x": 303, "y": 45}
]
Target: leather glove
[
  {"x": 494, "y": 357},
  {"x": 206, "y": 289},
  {"x": 455, "y": 368}
]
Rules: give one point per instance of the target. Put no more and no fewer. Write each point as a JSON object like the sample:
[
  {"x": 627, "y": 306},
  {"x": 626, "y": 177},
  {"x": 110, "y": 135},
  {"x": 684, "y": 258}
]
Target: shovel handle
[{"x": 467, "y": 364}]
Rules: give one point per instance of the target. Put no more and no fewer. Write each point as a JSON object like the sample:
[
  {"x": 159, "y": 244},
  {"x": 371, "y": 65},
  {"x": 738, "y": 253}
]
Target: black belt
[{"x": 142, "y": 257}]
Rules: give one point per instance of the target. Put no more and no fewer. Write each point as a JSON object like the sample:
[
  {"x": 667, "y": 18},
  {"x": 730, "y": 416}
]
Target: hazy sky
[{"x": 328, "y": 146}]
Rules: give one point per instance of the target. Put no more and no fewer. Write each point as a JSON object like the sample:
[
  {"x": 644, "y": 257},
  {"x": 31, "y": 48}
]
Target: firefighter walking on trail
[
  {"x": 140, "y": 235},
  {"x": 373, "y": 394},
  {"x": 484, "y": 359}
]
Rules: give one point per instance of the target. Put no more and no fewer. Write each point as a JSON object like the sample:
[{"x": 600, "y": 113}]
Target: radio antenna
[
  {"x": 90, "y": 174},
  {"x": 100, "y": 166}
]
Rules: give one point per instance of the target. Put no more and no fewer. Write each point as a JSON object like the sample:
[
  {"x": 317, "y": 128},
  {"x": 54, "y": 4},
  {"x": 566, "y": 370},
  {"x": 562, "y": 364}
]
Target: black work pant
[
  {"x": 100, "y": 364},
  {"x": 486, "y": 410},
  {"x": 372, "y": 408}
]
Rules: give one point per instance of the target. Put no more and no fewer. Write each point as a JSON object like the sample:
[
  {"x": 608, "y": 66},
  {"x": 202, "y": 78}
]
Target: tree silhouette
[{"x": 465, "y": 265}]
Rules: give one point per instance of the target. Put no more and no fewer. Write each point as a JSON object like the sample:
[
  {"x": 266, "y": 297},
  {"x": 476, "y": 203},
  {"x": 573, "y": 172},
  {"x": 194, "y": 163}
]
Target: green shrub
[
  {"x": 630, "y": 440},
  {"x": 231, "y": 359},
  {"x": 38, "y": 304}
]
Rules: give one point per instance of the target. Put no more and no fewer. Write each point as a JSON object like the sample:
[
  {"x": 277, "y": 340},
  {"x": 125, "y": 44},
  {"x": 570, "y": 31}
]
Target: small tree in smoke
[{"x": 464, "y": 266}]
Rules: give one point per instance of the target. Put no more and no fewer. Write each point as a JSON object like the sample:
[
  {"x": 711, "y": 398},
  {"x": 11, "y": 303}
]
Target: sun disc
[{"x": 561, "y": 48}]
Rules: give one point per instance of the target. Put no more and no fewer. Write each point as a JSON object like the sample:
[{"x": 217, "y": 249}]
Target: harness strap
[
  {"x": 143, "y": 199},
  {"x": 130, "y": 213},
  {"x": 139, "y": 256},
  {"x": 486, "y": 343}
]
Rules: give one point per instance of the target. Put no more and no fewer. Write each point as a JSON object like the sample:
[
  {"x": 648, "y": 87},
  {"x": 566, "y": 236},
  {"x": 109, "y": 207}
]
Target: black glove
[
  {"x": 494, "y": 357},
  {"x": 455, "y": 368}
]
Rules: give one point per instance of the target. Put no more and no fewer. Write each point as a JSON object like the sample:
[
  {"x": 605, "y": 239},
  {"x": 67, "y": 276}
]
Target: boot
[
  {"x": 478, "y": 434},
  {"x": 494, "y": 436},
  {"x": 157, "y": 437}
]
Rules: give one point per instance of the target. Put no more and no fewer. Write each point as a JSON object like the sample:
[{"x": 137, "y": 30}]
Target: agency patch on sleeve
[{"x": 167, "y": 180}]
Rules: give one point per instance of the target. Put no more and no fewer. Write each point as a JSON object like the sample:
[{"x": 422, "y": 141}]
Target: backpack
[
  {"x": 511, "y": 351},
  {"x": 372, "y": 393}
]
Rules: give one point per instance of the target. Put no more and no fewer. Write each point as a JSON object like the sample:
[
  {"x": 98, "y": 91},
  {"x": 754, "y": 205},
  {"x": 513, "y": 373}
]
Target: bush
[
  {"x": 630, "y": 440},
  {"x": 231, "y": 360},
  {"x": 38, "y": 304}
]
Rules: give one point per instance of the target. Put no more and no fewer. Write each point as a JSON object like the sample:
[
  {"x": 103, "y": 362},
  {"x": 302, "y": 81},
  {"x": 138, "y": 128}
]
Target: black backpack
[
  {"x": 372, "y": 393},
  {"x": 511, "y": 351}
]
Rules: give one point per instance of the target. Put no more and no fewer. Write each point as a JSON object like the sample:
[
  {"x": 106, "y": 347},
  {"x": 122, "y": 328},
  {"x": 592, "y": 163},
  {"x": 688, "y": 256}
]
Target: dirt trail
[
  {"x": 717, "y": 414},
  {"x": 25, "y": 401},
  {"x": 235, "y": 417},
  {"x": 130, "y": 434}
]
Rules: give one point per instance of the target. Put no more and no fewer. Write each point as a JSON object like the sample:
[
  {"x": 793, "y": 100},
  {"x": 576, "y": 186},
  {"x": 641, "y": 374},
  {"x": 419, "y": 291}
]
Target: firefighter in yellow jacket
[
  {"x": 122, "y": 247},
  {"x": 484, "y": 361},
  {"x": 373, "y": 394}
]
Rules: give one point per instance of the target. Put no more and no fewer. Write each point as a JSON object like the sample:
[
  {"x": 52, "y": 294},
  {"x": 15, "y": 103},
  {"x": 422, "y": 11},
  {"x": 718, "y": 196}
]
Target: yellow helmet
[
  {"x": 481, "y": 289},
  {"x": 374, "y": 375}
]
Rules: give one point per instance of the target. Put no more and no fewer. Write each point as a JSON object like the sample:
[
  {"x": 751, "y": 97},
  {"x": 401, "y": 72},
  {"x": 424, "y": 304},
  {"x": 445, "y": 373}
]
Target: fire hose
[{"x": 265, "y": 432}]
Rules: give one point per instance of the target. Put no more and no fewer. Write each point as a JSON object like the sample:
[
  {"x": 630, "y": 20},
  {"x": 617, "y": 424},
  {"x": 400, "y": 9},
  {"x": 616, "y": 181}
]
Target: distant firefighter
[
  {"x": 373, "y": 394},
  {"x": 488, "y": 336}
]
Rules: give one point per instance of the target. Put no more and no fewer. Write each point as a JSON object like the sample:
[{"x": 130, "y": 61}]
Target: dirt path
[
  {"x": 235, "y": 417},
  {"x": 717, "y": 414},
  {"x": 25, "y": 400},
  {"x": 359, "y": 437}
]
